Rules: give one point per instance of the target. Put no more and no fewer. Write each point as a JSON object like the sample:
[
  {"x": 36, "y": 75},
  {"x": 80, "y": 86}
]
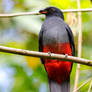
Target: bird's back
[{"x": 55, "y": 31}]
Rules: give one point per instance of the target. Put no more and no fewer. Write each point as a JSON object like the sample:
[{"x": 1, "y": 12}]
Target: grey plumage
[
  {"x": 63, "y": 87},
  {"x": 55, "y": 30}
]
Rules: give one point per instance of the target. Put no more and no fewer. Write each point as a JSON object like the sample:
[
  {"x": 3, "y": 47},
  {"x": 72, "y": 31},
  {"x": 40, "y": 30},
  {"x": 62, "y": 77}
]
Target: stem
[
  {"x": 46, "y": 55},
  {"x": 79, "y": 45},
  {"x": 37, "y": 12},
  {"x": 82, "y": 85},
  {"x": 90, "y": 86}
]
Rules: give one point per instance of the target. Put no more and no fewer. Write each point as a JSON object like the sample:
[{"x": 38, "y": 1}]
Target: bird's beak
[{"x": 43, "y": 12}]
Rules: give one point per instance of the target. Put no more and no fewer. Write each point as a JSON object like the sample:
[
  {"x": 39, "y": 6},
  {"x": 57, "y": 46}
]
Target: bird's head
[{"x": 52, "y": 11}]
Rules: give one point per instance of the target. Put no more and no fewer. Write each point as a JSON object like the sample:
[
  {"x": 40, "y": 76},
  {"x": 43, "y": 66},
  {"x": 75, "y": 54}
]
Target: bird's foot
[
  {"x": 66, "y": 55},
  {"x": 49, "y": 53}
]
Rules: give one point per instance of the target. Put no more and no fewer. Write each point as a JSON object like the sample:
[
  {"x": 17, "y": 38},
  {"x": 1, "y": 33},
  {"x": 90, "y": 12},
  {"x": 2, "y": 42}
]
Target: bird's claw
[
  {"x": 66, "y": 55},
  {"x": 49, "y": 53}
]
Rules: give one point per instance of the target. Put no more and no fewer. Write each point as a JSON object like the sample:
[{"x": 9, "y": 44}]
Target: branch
[
  {"x": 78, "y": 10},
  {"x": 18, "y": 14},
  {"x": 46, "y": 55},
  {"x": 90, "y": 86},
  {"x": 82, "y": 85},
  {"x": 79, "y": 45},
  {"x": 37, "y": 13}
]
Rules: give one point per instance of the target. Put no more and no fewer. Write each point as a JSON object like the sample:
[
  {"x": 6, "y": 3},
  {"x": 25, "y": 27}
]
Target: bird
[{"x": 56, "y": 37}]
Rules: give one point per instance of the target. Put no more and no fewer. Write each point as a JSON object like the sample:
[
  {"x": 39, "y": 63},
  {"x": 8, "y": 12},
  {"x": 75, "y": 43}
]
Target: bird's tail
[{"x": 63, "y": 87}]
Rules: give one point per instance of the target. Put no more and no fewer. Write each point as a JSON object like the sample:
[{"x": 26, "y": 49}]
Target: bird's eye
[{"x": 52, "y": 10}]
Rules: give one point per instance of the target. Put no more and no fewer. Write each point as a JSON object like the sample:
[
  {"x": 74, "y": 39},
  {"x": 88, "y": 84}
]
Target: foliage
[{"x": 27, "y": 74}]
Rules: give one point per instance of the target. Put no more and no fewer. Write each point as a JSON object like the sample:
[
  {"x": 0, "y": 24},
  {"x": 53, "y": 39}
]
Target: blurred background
[{"x": 27, "y": 74}]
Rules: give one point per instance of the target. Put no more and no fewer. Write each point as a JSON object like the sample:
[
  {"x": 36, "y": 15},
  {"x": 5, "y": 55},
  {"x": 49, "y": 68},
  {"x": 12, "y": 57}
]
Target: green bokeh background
[{"x": 27, "y": 74}]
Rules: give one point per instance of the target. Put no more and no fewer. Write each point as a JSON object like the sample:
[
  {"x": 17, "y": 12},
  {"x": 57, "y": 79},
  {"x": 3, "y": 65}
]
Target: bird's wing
[
  {"x": 71, "y": 39},
  {"x": 41, "y": 43}
]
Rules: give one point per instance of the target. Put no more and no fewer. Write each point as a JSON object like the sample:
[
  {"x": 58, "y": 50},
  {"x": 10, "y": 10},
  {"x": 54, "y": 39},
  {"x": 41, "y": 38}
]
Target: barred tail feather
[{"x": 63, "y": 87}]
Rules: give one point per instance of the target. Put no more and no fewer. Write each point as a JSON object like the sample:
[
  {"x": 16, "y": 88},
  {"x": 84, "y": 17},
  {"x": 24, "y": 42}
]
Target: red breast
[{"x": 58, "y": 70}]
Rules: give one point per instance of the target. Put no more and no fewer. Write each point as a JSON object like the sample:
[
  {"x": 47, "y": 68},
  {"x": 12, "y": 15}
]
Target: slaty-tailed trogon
[{"x": 56, "y": 37}]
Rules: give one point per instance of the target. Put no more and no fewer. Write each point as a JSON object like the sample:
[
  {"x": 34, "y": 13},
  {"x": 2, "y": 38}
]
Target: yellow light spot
[{"x": 33, "y": 62}]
